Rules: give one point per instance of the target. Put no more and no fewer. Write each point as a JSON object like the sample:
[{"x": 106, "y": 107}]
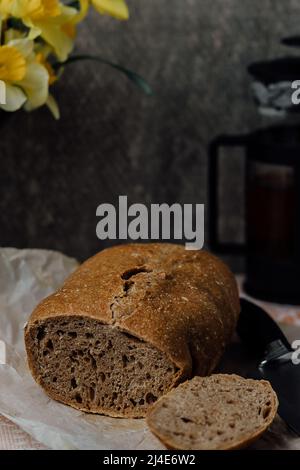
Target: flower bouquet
[{"x": 37, "y": 39}]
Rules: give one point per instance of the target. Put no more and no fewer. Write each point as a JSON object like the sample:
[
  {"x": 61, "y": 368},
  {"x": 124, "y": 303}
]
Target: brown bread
[
  {"x": 220, "y": 412},
  {"x": 129, "y": 325}
]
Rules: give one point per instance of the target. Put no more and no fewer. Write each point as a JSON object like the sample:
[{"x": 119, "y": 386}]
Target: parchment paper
[{"x": 27, "y": 276}]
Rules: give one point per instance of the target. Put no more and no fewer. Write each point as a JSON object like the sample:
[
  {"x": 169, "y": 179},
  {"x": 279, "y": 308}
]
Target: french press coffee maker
[{"x": 272, "y": 190}]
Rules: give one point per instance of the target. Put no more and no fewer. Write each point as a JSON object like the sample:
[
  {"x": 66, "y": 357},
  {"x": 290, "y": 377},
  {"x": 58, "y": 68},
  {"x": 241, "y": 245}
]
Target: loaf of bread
[
  {"x": 220, "y": 412},
  {"x": 131, "y": 323}
]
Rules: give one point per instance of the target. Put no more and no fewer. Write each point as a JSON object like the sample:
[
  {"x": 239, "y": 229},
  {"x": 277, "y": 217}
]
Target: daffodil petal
[
  {"x": 34, "y": 31},
  {"x": 24, "y": 46},
  {"x": 61, "y": 42},
  {"x": 53, "y": 106},
  {"x": 84, "y": 8},
  {"x": 35, "y": 85},
  {"x": 116, "y": 8},
  {"x": 66, "y": 16},
  {"x": 15, "y": 98},
  {"x": 11, "y": 34}
]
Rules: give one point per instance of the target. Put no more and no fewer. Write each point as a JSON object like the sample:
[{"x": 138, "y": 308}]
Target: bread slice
[
  {"x": 220, "y": 412},
  {"x": 130, "y": 324}
]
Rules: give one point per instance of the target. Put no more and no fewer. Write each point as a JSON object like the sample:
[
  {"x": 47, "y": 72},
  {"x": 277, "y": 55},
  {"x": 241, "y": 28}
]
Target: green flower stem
[{"x": 134, "y": 77}]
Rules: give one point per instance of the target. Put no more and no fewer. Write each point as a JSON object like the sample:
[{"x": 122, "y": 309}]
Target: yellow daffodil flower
[
  {"x": 25, "y": 59},
  {"x": 46, "y": 18},
  {"x": 26, "y": 81}
]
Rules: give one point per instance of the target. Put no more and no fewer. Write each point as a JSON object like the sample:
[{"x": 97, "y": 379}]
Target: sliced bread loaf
[
  {"x": 131, "y": 323},
  {"x": 219, "y": 412}
]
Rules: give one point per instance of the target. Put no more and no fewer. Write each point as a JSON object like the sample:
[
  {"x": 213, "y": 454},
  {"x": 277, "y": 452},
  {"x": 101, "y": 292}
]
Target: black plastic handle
[
  {"x": 257, "y": 329},
  {"x": 215, "y": 146}
]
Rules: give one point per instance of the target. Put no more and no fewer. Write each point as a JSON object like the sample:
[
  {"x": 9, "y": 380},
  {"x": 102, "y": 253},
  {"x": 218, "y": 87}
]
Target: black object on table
[{"x": 277, "y": 361}]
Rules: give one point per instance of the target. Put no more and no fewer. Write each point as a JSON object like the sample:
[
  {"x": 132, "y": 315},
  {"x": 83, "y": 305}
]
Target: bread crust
[{"x": 184, "y": 303}]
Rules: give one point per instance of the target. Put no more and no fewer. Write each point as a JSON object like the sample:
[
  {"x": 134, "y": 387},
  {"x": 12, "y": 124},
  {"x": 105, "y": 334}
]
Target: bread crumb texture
[{"x": 219, "y": 412}]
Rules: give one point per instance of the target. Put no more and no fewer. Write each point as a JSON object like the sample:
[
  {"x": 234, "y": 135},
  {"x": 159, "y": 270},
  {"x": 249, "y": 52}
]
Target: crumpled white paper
[{"x": 27, "y": 276}]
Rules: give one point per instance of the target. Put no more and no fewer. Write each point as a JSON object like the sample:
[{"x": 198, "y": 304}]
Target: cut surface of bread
[
  {"x": 219, "y": 412},
  {"x": 130, "y": 324},
  {"x": 94, "y": 367}
]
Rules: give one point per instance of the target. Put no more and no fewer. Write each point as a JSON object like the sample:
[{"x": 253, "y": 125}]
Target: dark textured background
[{"x": 113, "y": 140}]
